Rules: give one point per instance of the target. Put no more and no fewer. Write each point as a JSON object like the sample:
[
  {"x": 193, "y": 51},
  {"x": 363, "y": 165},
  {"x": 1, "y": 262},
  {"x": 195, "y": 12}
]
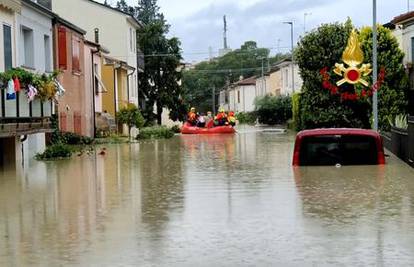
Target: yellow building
[{"x": 115, "y": 78}]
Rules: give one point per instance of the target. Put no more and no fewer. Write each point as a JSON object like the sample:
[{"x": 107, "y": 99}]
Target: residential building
[
  {"x": 275, "y": 81},
  {"x": 241, "y": 95},
  {"x": 263, "y": 85},
  {"x": 117, "y": 31},
  {"x": 27, "y": 43},
  {"x": 402, "y": 28},
  {"x": 285, "y": 68}
]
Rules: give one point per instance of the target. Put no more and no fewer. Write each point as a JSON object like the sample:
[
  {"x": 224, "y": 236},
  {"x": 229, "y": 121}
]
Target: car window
[{"x": 337, "y": 149}]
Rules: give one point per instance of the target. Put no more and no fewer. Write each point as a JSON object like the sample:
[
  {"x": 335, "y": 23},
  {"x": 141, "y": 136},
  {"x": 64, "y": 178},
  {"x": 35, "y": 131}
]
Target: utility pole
[
  {"x": 408, "y": 6},
  {"x": 263, "y": 75},
  {"x": 374, "y": 64},
  {"x": 292, "y": 57},
  {"x": 225, "y": 32},
  {"x": 304, "y": 21},
  {"x": 278, "y": 45},
  {"x": 214, "y": 99}
]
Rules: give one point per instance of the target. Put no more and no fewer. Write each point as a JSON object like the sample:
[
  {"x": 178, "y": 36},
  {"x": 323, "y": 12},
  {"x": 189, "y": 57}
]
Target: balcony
[{"x": 18, "y": 117}]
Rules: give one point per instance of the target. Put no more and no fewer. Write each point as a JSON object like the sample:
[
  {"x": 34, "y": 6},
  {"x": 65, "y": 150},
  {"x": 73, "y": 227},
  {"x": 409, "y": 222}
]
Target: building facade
[
  {"x": 242, "y": 94},
  {"x": 26, "y": 42},
  {"x": 285, "y": 69},
  {"x": 116, "y": 30}
]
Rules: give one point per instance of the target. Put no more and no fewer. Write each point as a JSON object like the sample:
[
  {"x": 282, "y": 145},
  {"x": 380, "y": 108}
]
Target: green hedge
[
  {"x": 247, "y": 117},
  {"x": 273, "y": 110},
  {"x": 55, "y": 151},
  {"x": 155, "y": 132}
]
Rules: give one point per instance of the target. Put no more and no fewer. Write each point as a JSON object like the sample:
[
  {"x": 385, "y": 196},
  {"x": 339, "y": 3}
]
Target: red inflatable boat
[{"x": 189, "y": 129}]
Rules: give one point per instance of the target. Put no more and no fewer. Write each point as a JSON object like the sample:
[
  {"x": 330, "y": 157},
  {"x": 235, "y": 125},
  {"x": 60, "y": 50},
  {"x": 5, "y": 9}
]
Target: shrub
[
  {"x": 176, "y": 129},
  {"x": 55, "y": 151},
  {"x": 131, "y": 116},
  {"x": 273, "y": 110},
  {"x": 400, "y": 121},
  {"x": 246, "y": 117},
  {"x": 323, "y": 47},
  {"x": 156, "y": 132},
  {"x": 70, "y": 138},
  {"x": 295, "y": 111}
]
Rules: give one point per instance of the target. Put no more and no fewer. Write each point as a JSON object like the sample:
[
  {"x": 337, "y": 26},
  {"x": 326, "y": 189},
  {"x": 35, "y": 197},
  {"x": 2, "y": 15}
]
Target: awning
[
  {"x": 14, "y": 5},
  {"x": 101, "y": 84}
]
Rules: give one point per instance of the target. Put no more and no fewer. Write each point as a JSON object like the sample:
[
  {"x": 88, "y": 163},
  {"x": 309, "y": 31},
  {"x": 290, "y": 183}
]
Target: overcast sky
[{"x": 199, "y": 23}]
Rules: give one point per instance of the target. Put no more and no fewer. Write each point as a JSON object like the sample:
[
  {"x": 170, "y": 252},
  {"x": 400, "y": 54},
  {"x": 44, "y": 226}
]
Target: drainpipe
[{"x": 93, "y": 90}]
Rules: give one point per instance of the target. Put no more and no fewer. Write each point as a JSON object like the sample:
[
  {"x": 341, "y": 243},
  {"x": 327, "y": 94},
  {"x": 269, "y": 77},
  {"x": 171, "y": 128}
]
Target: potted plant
[{"x": 399, "y": 136}]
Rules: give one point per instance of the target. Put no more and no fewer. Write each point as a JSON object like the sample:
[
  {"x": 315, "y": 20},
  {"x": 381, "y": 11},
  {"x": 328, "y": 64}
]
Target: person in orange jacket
[
  {"x": 231, "y": 118},
  {"x": 192, "y": 117},
  {"x": 221, "y": 118}
]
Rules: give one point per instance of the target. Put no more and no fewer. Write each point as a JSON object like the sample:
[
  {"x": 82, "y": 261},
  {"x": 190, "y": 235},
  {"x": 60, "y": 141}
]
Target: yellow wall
[
  {"x": 275, "y": 82},
  {"x": 122, "y": 88},
  {"x": 108, "y": 98}
]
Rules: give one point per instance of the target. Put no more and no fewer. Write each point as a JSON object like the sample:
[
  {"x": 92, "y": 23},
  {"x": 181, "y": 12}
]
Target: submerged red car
[{"x": 334, "y": 146}]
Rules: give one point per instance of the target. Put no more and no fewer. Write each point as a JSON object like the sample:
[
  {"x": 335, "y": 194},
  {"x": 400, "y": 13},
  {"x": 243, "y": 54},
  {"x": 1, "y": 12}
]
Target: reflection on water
[{"x": 205, "y": 201}]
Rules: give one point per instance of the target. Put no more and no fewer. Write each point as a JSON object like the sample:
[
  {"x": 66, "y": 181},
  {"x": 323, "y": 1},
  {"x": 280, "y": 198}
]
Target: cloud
[{"x": 262, "y": 21}]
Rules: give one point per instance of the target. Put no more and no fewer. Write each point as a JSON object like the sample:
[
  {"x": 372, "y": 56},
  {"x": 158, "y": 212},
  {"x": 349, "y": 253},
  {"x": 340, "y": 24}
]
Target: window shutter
[
  {"x": 75, "y": 54},
  {"x": 62, "y": 48}
]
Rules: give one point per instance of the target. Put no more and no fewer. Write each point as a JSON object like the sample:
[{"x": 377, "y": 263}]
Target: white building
[
  {"x": 117, "y": 31},
  {"x": 263, "y": 85},
  {"x": 285, "y": 68},
  {"x": 26, "y": 42},
  {"x": 241, "y": 95}
]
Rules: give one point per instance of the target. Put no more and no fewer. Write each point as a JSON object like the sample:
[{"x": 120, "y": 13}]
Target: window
[
  {"x": 62, "y": 48},
  {"x": 134, "y": 41},
  {"x": 130, "y": 39},
  {"x": 48, "y": 61},
  {"x": 345, "y": 150},
  {"x": 7, "y": 43},
  {"x": 76, "y": 54},
  {"x": 412, "y": 49},
  {"x": 28, "y": 47},
  {"x": 238, "y": 96}
]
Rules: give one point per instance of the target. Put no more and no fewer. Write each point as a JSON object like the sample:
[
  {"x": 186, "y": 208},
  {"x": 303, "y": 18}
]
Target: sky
[{"x": 199, "y": 23}]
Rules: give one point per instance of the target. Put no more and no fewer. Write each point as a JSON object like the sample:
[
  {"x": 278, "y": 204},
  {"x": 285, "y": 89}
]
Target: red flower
[{"x": 326, "y": 84}]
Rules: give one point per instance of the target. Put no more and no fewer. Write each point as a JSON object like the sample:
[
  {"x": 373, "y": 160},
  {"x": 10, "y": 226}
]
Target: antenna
[{"x": 225, "y": 32}]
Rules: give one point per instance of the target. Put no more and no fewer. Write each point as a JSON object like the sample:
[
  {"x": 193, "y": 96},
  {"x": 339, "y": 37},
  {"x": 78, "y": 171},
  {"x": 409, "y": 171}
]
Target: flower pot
[{"x": 399, "y": 143}]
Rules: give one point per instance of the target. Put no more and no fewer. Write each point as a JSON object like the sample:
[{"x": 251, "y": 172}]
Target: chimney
[{"x": 97, "y": 35}]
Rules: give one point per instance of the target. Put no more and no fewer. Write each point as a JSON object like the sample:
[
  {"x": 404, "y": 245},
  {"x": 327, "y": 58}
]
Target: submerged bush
[
  {"x": 156, "y": 132},
  {"x": 246, "y": 117},
  {"x": 273, "y": 110},
  {"x": 55, "y": 151},
  {"x": 176, "y": 129}
]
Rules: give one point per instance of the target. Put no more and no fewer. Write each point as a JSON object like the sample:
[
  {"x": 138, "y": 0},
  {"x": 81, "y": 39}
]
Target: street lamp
[
  {"x": 374, "y": 64},
  {"x": 291, "y": 44},
  {"x": 304, "y": 21}
]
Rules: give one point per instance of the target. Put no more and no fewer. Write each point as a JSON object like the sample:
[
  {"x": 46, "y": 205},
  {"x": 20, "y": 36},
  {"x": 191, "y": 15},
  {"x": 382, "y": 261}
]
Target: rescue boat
[{"x": 189, "y": 129}]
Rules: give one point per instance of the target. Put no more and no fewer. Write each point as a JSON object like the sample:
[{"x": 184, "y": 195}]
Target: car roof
[{"x": 338, "y": 131}]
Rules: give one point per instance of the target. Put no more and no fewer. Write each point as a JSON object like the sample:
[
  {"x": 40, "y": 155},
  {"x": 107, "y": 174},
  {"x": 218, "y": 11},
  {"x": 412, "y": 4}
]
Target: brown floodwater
[{"x": 205, "y": 201}]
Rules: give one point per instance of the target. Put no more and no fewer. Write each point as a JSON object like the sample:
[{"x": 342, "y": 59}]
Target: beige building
[
  {"x": 275, "y": 81},
  {"x": 116, "y": 30}
]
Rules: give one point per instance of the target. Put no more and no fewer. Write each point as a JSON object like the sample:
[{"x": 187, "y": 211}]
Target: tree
[
  {"x": 131, "y": 116},
  {"x": 323, "y": 48},
  {"x": 160, "y": 82},
  {"x": 243, "y": 62}
]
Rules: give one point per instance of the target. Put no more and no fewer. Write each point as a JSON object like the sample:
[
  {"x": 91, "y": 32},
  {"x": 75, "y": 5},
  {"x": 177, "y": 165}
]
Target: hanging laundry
[
  {"x": 10, "y": 93},
  {"x": 59, "y": 87},
  {"x": 16, "y": 84},
  {"x": 31, "y": 93}
]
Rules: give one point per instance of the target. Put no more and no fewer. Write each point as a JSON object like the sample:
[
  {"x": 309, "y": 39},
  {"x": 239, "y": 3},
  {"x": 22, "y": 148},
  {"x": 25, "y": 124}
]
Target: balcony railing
[{"x": 19, "y": 117}]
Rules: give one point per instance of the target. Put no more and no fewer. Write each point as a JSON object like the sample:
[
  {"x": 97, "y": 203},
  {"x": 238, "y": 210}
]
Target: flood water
[{"x": 205, "y": 201}]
